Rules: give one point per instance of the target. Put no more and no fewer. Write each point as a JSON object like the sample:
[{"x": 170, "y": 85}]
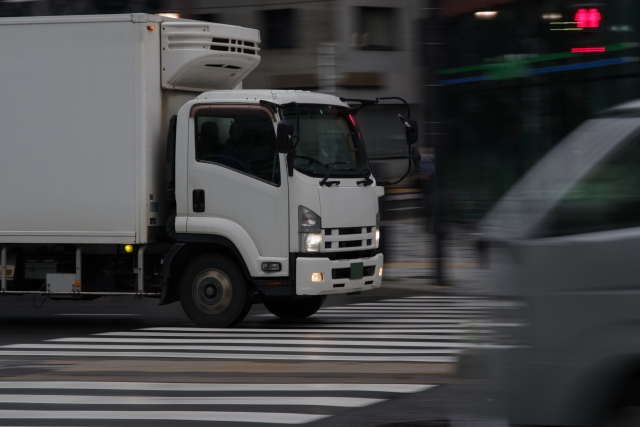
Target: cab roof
[{"x": 276, "y": 96}]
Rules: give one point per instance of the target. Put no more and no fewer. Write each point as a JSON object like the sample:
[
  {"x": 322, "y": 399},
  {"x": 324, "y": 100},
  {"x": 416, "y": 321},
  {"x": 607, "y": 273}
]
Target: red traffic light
[{"x": 588, "y": 18}]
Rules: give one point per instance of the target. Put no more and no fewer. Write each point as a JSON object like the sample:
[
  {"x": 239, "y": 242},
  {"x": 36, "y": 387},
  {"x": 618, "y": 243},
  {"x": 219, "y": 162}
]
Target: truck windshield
[{"x": 328, "y": 135}]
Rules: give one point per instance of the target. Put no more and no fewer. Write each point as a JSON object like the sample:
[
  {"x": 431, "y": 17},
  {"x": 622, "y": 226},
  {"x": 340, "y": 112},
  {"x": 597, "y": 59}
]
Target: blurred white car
[{"x": 567, "y": 239}]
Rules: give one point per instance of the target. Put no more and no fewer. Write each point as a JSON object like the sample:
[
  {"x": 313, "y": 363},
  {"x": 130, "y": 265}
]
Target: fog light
[
  {"x": 380, "y": 272},
  {"x": 317, "y": 277}
]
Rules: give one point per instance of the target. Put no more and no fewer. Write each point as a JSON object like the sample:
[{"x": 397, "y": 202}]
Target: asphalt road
[{"x": 386, "y": 358}]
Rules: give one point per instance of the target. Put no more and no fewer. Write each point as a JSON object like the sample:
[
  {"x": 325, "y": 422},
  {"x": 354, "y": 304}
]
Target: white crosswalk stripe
[
  {"x": 221, "y": 402},
  {"x": 425, "y": 330}
]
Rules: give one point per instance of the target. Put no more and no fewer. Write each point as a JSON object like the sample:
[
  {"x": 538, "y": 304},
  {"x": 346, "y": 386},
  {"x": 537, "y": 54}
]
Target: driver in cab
[{"x": 241, "y": 152}]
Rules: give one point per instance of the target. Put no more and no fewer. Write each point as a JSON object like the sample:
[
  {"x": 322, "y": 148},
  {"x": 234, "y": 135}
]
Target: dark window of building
[
  {"x": 377, "y": 28},
  {"x": 280, "y": 29}
]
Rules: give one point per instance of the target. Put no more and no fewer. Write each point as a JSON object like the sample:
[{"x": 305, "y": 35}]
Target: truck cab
[{"x": 301, "y": 221}]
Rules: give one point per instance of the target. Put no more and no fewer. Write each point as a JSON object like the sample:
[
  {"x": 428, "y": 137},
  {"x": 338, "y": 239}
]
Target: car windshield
[
  {"x": 522, "y": 209},
  {"x": 328, "y": 135}
]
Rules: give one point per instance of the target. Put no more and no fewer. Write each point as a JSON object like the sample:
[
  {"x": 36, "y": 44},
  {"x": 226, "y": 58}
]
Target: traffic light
[{"x": 588, "y": 28}]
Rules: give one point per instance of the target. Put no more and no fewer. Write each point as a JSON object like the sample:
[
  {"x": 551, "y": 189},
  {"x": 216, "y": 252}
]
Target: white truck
[{"x": 132, "y": 163}]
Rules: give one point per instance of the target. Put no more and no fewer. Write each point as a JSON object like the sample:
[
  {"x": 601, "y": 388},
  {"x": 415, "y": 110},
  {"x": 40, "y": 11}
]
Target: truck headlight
[
  {"x": 310, "y": 242},
  {"x": 377, "y": 237},
  {"x": 308, "y": 221}
]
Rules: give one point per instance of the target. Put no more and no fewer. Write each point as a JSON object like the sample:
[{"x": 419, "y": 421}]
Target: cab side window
[
  {"x": 608, "y": 198},
  {"x": 238, "y": 137}
]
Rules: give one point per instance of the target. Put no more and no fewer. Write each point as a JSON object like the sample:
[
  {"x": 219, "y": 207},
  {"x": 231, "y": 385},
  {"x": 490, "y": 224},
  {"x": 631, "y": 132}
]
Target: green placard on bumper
[{"x": 357, "y": 271}]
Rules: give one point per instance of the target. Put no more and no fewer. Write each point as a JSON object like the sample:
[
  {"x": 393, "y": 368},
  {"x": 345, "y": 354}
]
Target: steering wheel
[
  {"x": 311, "y": 160},
  {"x": 211, "y": 158}
]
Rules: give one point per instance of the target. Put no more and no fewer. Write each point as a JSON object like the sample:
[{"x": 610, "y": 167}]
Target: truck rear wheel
[
  {"x": 213, "y": 292},
  {"x": 295, "y": 308}
]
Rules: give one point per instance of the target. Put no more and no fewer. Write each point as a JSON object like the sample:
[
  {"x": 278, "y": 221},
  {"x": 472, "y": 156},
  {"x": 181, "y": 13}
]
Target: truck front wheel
[
  {"x": 295, "y": 308},
  {"x": 213, "y": 292}
]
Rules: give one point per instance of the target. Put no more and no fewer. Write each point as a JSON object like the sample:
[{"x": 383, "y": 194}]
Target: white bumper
[{"x": 306, "y": 266}]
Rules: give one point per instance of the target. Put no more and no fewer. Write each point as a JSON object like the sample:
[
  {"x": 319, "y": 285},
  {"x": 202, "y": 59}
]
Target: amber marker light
[
  {"x": 128, "y": 248},
  {"x": 151, "y": 27}
]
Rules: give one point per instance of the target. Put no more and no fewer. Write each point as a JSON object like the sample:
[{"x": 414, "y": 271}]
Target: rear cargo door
[{"x": 235, "y": 174}]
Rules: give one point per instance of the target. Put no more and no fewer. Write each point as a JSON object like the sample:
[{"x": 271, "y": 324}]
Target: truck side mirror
[
  {"x": 411, "y": 129},
  {"x": 284, "y": 140}
]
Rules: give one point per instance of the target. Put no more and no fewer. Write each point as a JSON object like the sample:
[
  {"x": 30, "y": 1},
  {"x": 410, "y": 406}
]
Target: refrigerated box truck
[{"x": 132, "y": 163}]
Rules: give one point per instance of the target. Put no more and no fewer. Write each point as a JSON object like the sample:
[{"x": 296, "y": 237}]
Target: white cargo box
[{"x": 85, "y": 103}]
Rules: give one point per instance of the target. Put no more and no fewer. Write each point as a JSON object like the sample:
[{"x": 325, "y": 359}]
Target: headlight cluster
[
  {"x": 310, "y": 242},
  {"x": 378, "y": 230},
  {"x": 310, "y": 228}
]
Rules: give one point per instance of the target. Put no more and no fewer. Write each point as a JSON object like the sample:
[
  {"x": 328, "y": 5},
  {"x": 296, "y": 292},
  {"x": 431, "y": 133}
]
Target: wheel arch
[{"x": 187, "y": 249}]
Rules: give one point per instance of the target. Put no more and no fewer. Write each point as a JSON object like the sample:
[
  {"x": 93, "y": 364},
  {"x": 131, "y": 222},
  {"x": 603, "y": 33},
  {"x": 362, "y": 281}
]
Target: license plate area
[{"x": 356, "y": 271}]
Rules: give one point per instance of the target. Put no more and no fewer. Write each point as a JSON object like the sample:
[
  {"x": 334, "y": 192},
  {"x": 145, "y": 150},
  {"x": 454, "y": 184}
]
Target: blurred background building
[{"x": 518, "y": 76}]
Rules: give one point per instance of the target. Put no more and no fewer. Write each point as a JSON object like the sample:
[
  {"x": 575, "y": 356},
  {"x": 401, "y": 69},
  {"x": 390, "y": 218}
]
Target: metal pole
[
  {"x": 436, "y": 116},
  {"x": 3, "y": 268},
  {"x": 78, "y": 282},
  {"x": 140, "y": 270}
]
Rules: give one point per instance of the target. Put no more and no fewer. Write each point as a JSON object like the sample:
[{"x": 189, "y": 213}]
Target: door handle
[{"x": 198, "y": 200}]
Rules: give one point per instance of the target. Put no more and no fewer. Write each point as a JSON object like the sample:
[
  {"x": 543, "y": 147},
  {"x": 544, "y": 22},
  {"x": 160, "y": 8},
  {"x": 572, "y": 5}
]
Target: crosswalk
[
  {"x": 413, "y": 330},
  {"x": 94, "y": 401}
]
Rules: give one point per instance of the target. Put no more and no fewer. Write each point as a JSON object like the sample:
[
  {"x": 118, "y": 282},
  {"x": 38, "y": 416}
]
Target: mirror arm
[
  {"x": 387, "y": 183},
  {"x": 415, "y": 157},
  {"x": 363, "y": 103},
  {"x": 399, "y": 99}
]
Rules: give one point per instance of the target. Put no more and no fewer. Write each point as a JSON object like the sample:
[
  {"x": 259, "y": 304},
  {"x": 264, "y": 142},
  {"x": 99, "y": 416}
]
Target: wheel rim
[{"x": 212, "y": 291}]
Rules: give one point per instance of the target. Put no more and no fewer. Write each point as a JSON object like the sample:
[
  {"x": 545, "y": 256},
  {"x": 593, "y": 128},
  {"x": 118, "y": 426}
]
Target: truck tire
[
  {"x": 213, "y": 292},
  {"x": 295, "y": 308}
]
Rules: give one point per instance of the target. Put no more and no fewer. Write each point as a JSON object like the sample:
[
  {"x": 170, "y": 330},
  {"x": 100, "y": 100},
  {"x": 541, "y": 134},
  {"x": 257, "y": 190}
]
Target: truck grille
[
  {"x": 340, "y": 239},
  {"x": 350, "y": 244},
  {"x": 342, "y": 231}
]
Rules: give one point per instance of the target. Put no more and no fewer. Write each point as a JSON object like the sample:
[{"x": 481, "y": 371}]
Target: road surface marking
[
  {"x": 228, "y": 356},
  {"x": 302, "y": 329},
  {"x": 272, "y": 335},
  {"x": 96, "y": 314},
  {"x": 65, "y": 399},
  {"x": 247, "y": 417},
  {"x": 283, "y": 349},
  {"x": 441, "y": 318},
  {"x": 318, "y": 342},
  {"x": 211, "y": 387}
]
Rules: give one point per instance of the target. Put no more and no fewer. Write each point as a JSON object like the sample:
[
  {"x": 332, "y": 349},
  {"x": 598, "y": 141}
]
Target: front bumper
[{"x": 306, "y": 266}]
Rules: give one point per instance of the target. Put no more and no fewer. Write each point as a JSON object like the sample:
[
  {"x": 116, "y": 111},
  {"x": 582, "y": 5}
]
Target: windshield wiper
[
  {"x": 326, "y": 177},
  {"x": 367, "y": 181}
]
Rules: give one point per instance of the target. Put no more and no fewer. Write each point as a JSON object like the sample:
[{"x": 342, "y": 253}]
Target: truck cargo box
[{"x": 84, "y": 108}]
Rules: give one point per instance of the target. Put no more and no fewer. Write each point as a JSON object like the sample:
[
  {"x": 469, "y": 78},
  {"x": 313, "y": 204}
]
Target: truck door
[{"x": 236, "y": 174}]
